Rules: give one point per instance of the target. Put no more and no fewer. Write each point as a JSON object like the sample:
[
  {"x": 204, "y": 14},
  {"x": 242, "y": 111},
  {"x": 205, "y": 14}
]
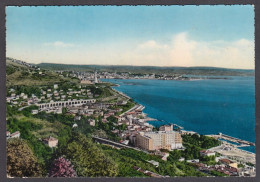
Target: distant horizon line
[{"x": 134, "y": 65}]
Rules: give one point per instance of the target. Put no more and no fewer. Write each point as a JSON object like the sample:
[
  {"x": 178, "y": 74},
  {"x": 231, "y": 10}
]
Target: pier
[{"x": 242, "y": 143}]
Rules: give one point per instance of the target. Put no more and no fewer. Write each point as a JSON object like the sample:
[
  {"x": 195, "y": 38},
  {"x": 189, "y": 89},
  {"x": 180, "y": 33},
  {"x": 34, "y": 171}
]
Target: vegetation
[
  {"x": 126, "y": 159},
  {"x": 62, "y": 168},
  {"x": 216, "y": 173},
  {"x": 209, "y": 160},
  {"x": 20, "y": 75},
  {"x": 195, "y": 143},
  {"x": 21, "y": 162},
  {"x": 88, "y": 158},
  {"x": 240, "y": 165}
]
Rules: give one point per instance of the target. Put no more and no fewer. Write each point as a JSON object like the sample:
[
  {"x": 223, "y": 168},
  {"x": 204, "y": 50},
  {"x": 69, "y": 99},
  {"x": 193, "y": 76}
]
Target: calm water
[{"x": 203, "y": 106}]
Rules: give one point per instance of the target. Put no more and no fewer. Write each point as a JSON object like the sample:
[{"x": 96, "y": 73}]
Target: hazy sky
[{"x": 219, "y": 36}]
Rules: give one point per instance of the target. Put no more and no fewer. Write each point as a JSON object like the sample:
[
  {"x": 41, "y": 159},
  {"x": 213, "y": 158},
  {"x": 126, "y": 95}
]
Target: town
[{"x": 118, "y": 122}]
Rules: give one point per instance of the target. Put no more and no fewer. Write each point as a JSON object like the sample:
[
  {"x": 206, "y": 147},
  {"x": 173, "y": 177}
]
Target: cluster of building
[
  {"x": 52, "y": 99},
  {"x": 224, "y": 165},
  {"x": 50, "y": 141},
  {"x": 22, "y": 63},
  {"x": 93, "y": 77}
]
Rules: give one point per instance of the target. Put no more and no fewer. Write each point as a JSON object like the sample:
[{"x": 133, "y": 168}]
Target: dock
[{"x": 240, "y": 142}]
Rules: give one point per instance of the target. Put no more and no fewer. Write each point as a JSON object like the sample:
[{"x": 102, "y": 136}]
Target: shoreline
[{"x": 147, "y": 119}]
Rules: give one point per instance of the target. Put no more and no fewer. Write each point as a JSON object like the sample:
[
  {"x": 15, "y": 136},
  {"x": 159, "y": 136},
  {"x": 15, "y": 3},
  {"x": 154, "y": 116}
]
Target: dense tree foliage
[
  {"x": 195, "y": 143},
  {"x": 29, "y": 90},
  {"x": 62, "y": 168},
  {"x": 89, "y": 160},
  {"x": 21, "y": 161},
  {"x": 10, "y": 70}
]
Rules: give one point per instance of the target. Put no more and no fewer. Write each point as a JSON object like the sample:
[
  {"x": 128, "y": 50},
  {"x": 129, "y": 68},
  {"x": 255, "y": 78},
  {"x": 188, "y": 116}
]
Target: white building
[{"x": 55, "y": 86}]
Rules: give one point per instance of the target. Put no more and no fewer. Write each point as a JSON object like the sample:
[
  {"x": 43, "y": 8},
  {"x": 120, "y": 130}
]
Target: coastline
[{"x": 147, "y": 119}]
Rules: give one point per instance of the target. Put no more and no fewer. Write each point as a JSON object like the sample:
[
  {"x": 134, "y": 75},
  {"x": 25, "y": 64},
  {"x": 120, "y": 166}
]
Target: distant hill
[
  {"x": 151, "y": 69},
  {"x": 22, "y": 74}
]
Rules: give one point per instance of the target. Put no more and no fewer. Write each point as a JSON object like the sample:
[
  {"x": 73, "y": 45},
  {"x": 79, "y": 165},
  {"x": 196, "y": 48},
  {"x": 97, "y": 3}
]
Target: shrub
[{"x": 62, "y": 168}]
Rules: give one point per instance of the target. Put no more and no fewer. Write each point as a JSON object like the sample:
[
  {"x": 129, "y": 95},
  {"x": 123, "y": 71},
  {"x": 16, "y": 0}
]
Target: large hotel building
[{"x": 159, "y": 140}]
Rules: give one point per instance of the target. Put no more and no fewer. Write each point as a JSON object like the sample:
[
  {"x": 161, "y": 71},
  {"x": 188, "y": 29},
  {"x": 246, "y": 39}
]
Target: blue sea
[{"x": 204, "y": 106}]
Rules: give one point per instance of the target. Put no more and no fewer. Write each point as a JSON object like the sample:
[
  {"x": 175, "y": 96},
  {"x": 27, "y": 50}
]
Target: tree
[
  {"x": 89, "y": 160},
  {"x": 21, "y": 161},
  {"x": 175, "y": 155},
  {"x": 62, "y": 168}
]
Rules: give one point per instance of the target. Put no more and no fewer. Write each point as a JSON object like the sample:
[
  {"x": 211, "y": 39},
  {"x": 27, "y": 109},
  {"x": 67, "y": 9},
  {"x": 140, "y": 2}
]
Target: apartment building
[{"x": 159, "y": 140}]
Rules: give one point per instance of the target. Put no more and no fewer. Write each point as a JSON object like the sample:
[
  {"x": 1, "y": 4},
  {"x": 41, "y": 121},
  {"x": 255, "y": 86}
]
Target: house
[
  {"x": 165, "y": 155},
  {"x": 125, "y": 142},
  {"x": 51, "y": 141},
  {"x": 55, "y": 86},
  {"x": 106, "y": 115},
  {"x": 92, "y": 122},
  {"x": 182, "y": 159},
  {"x": 77, "y": 118},
  {"x": 118, "y": 118},
  {"x": 155, "y": 163},
  {"x": 74, "y": 125},
  {"x": 193, "y": 161},
  {"x": 228, "y": 163},
  {"x": 122, "y": 103},
  {"x": 207, "y": 153},
  {"x": 104, "y": 120},
  {"x": 35, "y": 111},
  {"x": 15, "y": 134}
]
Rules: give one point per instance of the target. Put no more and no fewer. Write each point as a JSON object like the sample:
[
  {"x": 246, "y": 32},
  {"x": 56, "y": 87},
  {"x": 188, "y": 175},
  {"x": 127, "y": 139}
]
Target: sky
[{"x": 217, "y": 36}]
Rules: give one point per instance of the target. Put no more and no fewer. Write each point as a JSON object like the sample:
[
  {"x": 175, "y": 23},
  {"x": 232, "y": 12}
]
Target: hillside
[
  {"x": 18, "y": 74},
  {"x": 214, "y": 71}
]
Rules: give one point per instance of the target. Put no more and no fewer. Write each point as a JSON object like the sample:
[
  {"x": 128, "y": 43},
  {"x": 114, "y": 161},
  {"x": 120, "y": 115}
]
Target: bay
[{"x": 206, "y": 106}]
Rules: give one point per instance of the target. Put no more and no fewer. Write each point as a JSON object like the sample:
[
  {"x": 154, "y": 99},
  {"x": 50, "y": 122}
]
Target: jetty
[{"x": 240, "y": 142}]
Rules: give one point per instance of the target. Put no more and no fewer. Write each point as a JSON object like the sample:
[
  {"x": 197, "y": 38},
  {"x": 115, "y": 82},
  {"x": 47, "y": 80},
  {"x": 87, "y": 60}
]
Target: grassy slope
[
  {"x": 47, "y": 127},
  {"x": 31, "y": 77}
]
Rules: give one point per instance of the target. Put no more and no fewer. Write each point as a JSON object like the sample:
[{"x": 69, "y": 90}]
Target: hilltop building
[{"x": 159, "y": 140}]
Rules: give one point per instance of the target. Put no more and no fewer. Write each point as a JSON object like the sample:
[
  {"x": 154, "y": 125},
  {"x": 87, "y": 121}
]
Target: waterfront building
[
  {"x": 159, "y": 140},
  {"x": 166, "y": 128}
]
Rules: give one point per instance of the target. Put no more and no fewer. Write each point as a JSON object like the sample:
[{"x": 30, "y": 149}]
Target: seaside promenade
[{"x": 232, "y": 152}]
